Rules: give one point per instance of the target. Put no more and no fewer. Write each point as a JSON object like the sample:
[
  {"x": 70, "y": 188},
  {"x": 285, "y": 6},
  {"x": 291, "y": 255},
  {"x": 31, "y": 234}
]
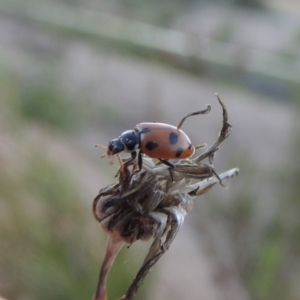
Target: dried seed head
[{"x": 152, "y": 203}]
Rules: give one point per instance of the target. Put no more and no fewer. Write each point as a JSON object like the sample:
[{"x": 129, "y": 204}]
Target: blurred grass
[
  {"x": 42, "y": 102},
  {"x": 266, "y": 282},
  {"x": 275, "y": 271},
  {"x": 45, "y": 250},
  {"x": 48, "y": 248}
]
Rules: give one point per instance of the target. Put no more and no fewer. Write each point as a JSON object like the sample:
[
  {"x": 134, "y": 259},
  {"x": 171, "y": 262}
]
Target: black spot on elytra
[
  {"x": 151, "y": 145},
  {"x": 190, "y": 146},
  {"x": 179, "y": 152},
  {"x": 173, "y": 138}
]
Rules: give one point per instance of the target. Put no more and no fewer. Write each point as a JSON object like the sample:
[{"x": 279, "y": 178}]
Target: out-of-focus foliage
[
  {"x": 42, "y": 102},
  {"x": 44, "y": 243},
  {"x": 160, "y": 12},
  {"x": 44, "y": 252},
  {"x": 49, "y": 245}
]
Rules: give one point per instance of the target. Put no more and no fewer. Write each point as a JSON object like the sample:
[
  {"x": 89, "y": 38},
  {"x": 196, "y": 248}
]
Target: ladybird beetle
[{"x": 157, "y": 140}]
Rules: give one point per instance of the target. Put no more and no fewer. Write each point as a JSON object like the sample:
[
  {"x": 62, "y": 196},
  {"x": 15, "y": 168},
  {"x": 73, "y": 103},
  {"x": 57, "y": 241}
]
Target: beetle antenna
[
  {"x": 99, "y": 145},
  {"x": 200, "y": 112},
  {"x": 105, "y": 147}
]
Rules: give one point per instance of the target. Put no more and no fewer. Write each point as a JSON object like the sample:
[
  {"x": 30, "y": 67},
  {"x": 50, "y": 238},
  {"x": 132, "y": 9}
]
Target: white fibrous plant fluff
[{"x": 152, "y": 204}]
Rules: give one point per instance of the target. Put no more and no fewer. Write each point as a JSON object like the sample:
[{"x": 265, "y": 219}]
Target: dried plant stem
[{"x": 113, "y": 247}]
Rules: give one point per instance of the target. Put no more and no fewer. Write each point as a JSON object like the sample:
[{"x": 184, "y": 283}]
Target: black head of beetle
[{"x": 128, "y": 141}]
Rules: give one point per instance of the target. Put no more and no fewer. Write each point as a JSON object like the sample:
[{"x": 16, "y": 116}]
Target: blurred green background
[{"x": 77, "y": 73}]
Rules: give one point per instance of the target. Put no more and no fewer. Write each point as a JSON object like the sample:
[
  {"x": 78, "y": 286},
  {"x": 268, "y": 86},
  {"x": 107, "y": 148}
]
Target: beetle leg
[
  {"x": 120, "y": 159},
  {"x": 166, "y": 163},
  {"x": 171, "y": 166},
  {"x": 127, "y": 162},
  {"x": 140, "y": 161}
]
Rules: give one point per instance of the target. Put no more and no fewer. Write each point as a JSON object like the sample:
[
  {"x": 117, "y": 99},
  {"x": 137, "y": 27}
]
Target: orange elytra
[{"x": 156, "y": 140}]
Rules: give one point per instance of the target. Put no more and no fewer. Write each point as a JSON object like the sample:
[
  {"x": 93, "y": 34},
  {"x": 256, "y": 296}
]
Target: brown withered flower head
[{"x": 152, "y": 204}]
